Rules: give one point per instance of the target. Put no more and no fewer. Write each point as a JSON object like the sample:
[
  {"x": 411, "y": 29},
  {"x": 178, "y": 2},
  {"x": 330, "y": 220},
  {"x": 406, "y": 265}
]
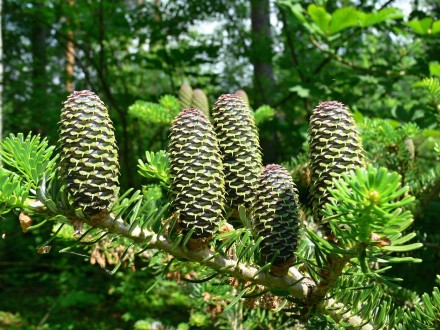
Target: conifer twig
[{"x": 298, "y": 285}]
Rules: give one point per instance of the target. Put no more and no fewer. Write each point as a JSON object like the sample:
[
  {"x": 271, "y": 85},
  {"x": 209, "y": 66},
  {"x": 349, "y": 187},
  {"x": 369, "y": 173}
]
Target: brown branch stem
[{"x": 297, "y": 284}]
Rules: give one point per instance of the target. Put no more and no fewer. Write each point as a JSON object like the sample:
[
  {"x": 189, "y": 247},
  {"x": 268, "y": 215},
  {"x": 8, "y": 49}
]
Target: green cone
[
  {"x": 335, "y": 148},
  {"x": 200, "y": 101},
  {"x": 89, "y": 157},
  {"x": 240, "y": 148},
  {"x": 196, "y": 172},
  {"x": 185, "y": 96},
  {"x": 276, "y": 217}
]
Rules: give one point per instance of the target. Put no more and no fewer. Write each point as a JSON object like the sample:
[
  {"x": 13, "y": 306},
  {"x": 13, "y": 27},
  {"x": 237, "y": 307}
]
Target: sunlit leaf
[
  {"x": 421, "y": 26},
  {"x": 301, "y": 91},
  {"x": 383, "y": 15},
  {"x": 434, "y": 68},
  {"x": 435, "y": 27},
  {"x": 320, "y": 17},
  {"x": 343, "y": 18}
]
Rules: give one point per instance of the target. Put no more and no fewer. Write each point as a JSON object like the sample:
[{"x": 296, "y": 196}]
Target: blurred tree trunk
[
  {"x": 261, "y": 58},
  {"x": 126, "y": 152},
  {"x": 39, "y": 76},
  {"x": 70, "y": 54},
  {"x": 261, "y": 53}
]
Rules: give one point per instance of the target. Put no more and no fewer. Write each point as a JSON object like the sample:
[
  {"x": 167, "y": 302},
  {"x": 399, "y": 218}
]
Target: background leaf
[
  {"x": 320, "y": 17},
  {"x": 343, "y": 18}
]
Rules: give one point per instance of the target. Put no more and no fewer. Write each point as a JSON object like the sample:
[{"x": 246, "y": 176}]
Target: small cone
[
  {"x": 243, "y": 95},
  {"x": 185, "y": 96},
  {"x": 200, "y": 101}
]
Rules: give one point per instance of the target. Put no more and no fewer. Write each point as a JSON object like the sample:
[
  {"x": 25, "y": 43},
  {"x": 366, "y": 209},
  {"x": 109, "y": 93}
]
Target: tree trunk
[
  {"x": 261, "y": 53},
  {"x": 70, "y": 54},
  {"x": 39, "y": 77}
]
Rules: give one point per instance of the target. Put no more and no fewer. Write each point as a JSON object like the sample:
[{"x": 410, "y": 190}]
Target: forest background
[{"x": 374, "y": 56}]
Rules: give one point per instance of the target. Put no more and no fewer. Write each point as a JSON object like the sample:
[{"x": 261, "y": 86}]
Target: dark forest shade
[
  {"x": 196, "y": 172},
  {"x": 89, "y": 157},
  {"x": 335, "y": 148},
  {"x": 276, "y": 217},
  {"x": 240, "y": 148}
]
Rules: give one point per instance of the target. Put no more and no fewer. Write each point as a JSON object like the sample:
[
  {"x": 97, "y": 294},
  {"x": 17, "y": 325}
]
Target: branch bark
[{"x": 297, "y": 284}]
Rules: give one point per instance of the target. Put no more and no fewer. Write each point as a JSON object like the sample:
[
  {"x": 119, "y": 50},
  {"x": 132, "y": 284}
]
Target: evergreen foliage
[{"x": 161, "y": 113}]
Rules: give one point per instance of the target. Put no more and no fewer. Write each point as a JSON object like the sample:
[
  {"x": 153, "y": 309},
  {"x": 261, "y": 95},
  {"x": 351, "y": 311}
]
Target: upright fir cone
[
  {"x": 197, "y": 179},
  {"x": 243, "y": 95},
  {"x": 276, "y": 218},
  {"x": 185, "y": 95},
  {"x": 240, "y": 148},
  {"x": 335, "y": 148},
  {"x": 89, "y": 156},
  {"x": 200, "y": 101}
]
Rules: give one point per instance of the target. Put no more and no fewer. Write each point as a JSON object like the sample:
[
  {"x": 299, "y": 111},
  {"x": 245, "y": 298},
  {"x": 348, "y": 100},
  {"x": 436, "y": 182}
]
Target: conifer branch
[
  {"x": 298, "y": 285},
  {"x": 337, "y": 312}
]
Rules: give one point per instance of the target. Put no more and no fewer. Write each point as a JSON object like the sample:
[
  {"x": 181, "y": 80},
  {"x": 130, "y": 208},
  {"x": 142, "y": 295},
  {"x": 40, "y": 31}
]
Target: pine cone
[
  {"x": 239, "y": 147},
  {"x": 243, "y": 95},
  {"x": 89, "y": 157},
  {"x": 185, "y": 96},
  {"x": 196, "y": 172},
  {"x": 276, "y": 217},
  {"x": 200, "y": 101},
  {"x": 335, "y": 148}
]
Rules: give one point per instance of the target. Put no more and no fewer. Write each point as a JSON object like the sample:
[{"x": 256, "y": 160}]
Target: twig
[
  {"x": 334, "y": 309},
  {"x": 350, "y": 64},
  {"x": 298, "y": 285}
]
